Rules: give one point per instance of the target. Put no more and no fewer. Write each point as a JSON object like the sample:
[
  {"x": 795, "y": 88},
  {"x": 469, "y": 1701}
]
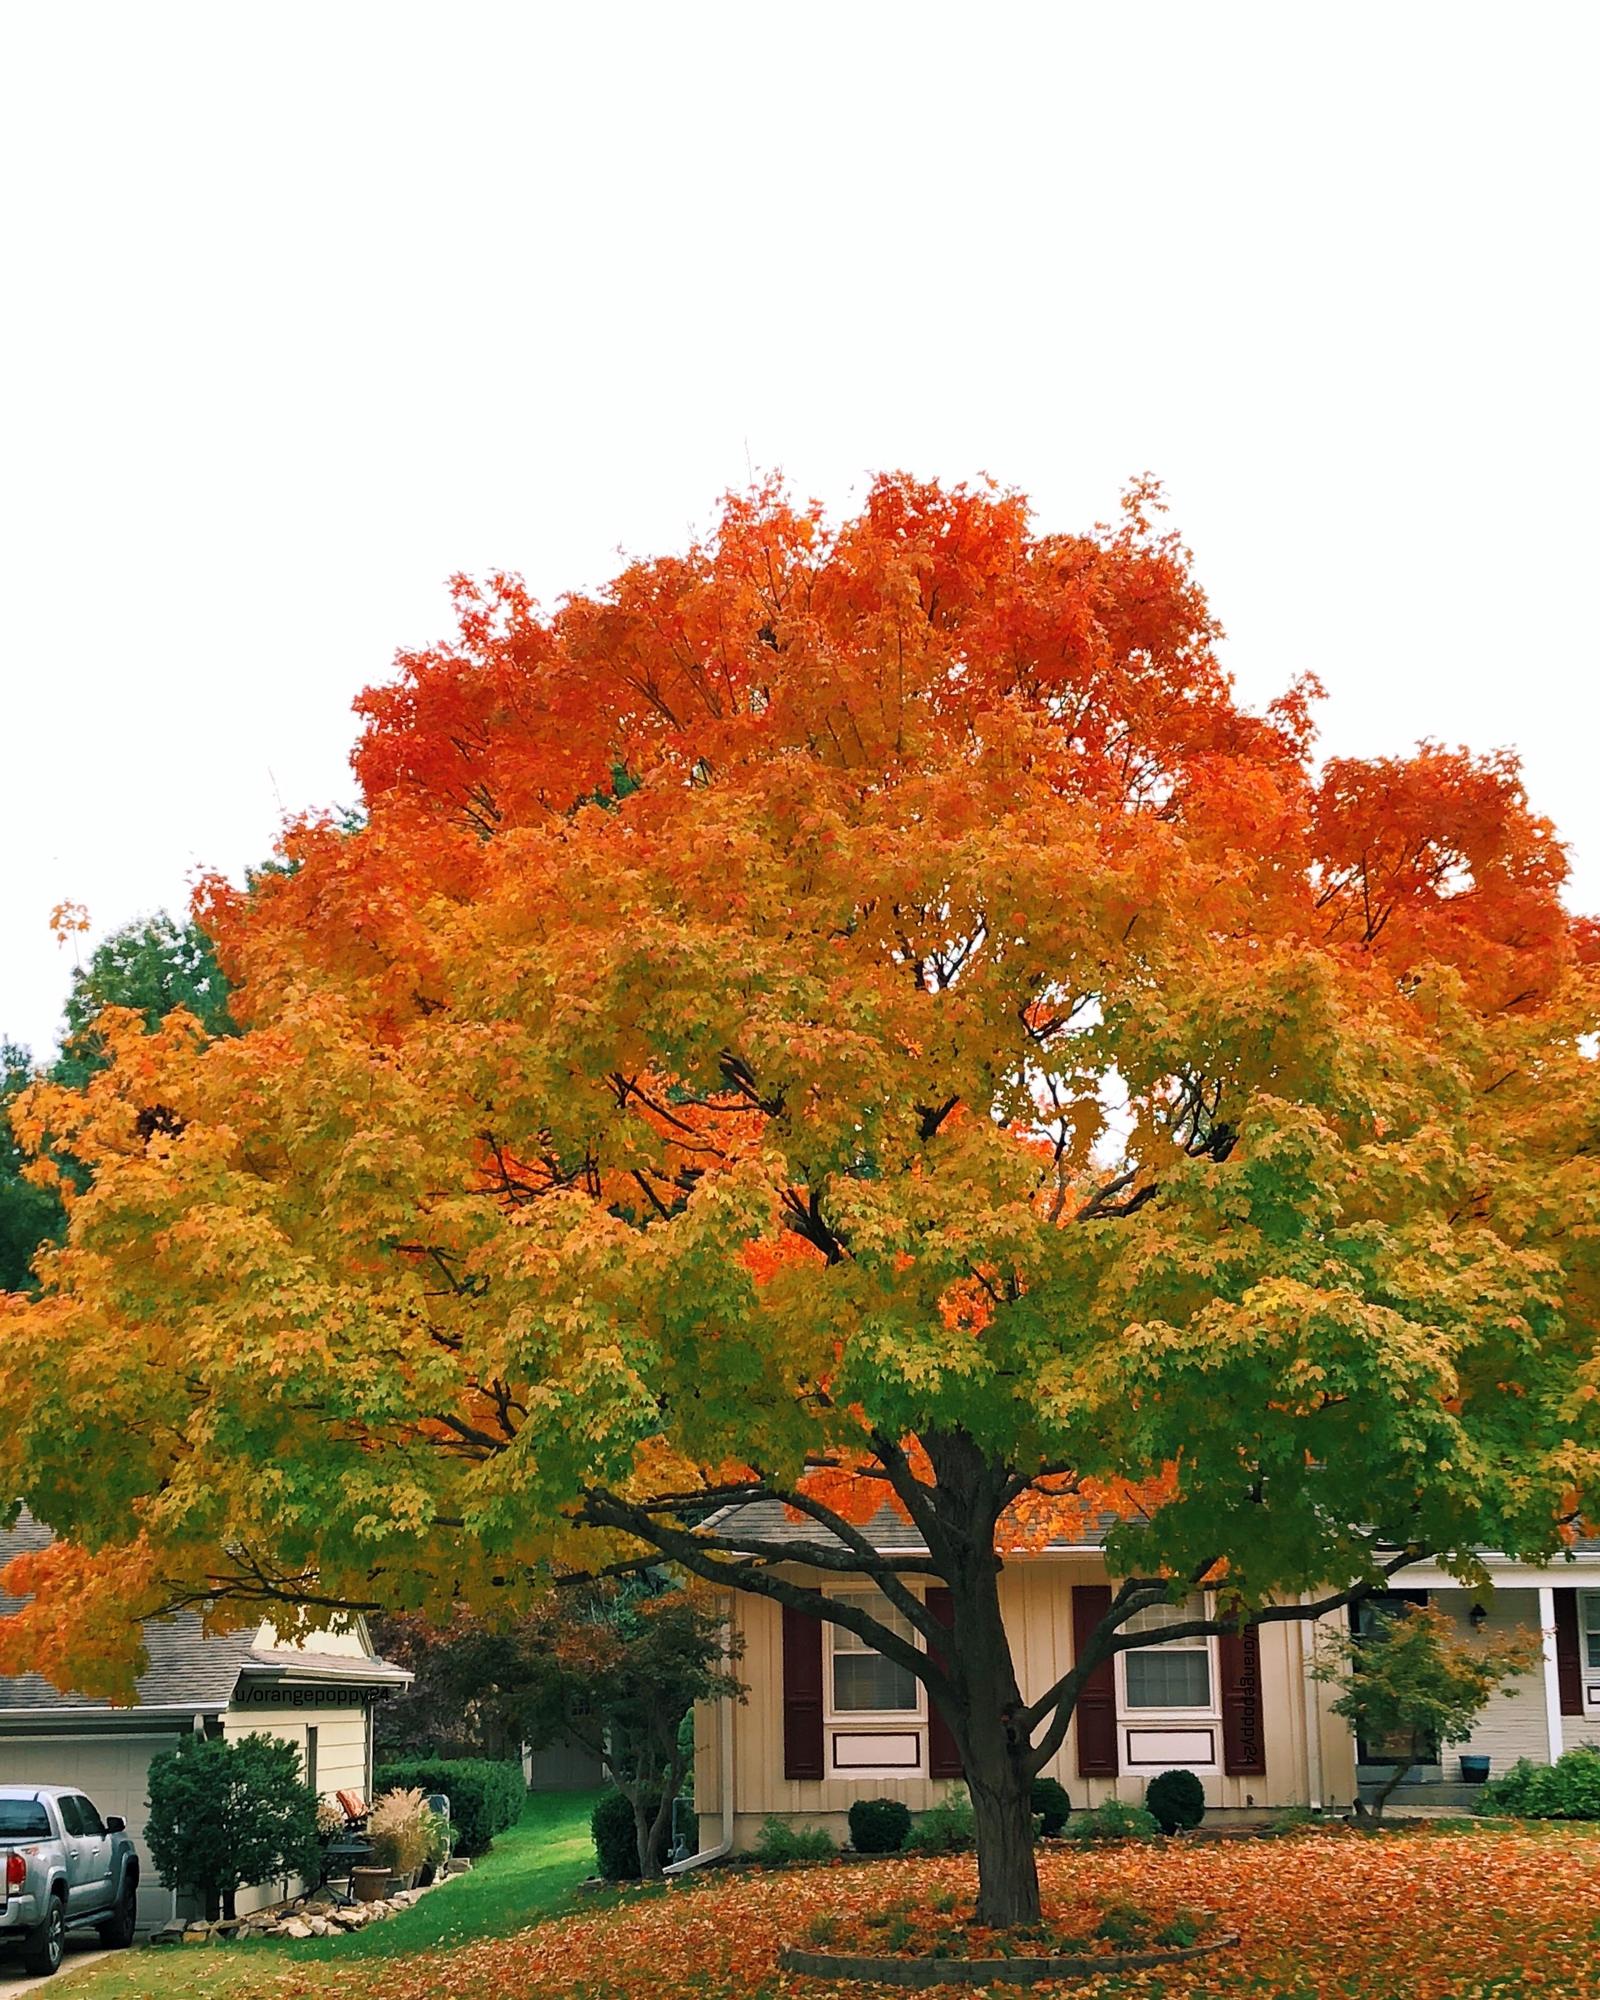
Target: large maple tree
[{"x": 856, "y": 1013}]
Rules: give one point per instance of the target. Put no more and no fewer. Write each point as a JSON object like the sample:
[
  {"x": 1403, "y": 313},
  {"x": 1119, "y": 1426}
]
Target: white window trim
[
  {"x": 870, "y": 1721},
  {"x": 1585, "y": 1599},
  {"x": 1210, "y": 1712}
]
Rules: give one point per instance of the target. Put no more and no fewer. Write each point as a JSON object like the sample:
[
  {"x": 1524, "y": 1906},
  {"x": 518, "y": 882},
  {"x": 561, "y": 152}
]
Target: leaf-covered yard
[
  {"x": 531, "y": 1871},
  {"x": 1487, "y": 1913},
  {"x": 1475, "y": 1915}
]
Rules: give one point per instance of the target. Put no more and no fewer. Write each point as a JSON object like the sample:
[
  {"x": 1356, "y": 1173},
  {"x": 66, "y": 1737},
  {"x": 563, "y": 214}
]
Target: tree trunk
[
  {"x": 1008, "y": 1880},
  {"x": 995, "y": 1757},
  {"x": 1380, "y": 1798},
  {"x": 643, "y": 1833}
]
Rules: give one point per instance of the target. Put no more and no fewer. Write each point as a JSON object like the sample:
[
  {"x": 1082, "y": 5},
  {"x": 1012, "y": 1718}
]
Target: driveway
[{"x": 80, "y": 1951}]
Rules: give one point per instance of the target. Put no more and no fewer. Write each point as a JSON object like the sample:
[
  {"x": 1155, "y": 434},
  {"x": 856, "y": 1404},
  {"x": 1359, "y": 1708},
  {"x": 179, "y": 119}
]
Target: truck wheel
[
  {"x": 117, "y": 1930},
  {"x": 41, "y": 1955}
]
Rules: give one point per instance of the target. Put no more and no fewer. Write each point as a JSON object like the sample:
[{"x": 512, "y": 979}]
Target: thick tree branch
[{"x": 754, "y": 1573}]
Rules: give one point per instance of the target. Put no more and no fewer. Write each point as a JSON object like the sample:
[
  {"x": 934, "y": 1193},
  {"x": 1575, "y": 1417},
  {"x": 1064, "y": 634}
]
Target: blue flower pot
[{"x": 1474, "y": 1770}]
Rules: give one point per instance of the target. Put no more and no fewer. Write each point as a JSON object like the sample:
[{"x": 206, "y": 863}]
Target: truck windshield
[{"x": 23, "y": 1819}]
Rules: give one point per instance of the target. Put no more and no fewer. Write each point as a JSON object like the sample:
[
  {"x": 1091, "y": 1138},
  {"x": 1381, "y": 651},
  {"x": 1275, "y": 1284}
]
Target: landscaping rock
[{"x": 296, "y": 1927}]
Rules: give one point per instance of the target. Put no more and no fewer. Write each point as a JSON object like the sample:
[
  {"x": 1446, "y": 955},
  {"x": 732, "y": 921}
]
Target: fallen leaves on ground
[{"x": 1475, "y": 1915}]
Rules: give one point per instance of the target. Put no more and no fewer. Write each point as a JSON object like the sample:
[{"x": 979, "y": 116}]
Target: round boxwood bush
[
  {"x": 616, "y": 1844},
  {"x": 1051, "y": 1806},
  {"x": 879, "y": 1826},
  {"x": 1174, "y": 1799}
]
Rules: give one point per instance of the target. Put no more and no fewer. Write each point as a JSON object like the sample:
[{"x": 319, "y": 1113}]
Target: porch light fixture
[{"x": 1477, "y": 1618}]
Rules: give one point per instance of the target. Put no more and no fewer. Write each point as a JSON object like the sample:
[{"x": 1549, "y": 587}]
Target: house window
[
  {"x": 1590, "y": 1600},
  {"x": 1174, "y": 1675},
  {"x": 863, "y": 1681}
]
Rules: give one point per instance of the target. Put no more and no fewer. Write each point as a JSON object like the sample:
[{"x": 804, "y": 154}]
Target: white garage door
[{"x": 110, "y": 1770}]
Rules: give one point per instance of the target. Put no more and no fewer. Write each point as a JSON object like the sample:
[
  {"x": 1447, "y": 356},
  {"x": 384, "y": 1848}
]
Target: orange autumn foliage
[{"x": 851, "y": 1008}]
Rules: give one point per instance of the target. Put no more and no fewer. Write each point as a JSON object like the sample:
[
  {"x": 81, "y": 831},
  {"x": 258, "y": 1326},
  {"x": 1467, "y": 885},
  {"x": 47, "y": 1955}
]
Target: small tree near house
[
  {"x": 616, "y": 1666},
  {"x": 624, "y": 1665},
  {"x": 1415, "y": 1679}
]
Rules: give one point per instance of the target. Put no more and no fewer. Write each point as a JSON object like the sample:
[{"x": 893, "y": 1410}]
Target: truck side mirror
[{"x": 115, "y": 1823}]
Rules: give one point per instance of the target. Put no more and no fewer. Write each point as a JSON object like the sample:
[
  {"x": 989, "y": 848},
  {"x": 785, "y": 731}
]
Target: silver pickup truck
[{"x": 63, "y": 1867}]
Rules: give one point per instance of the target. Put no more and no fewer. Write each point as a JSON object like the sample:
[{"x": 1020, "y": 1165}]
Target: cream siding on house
[
  {"x": 1578, "y": 1732},
  {"x": 341, "y": 1762},
  {"x": 347, "y": 1640},
  {"x": 341, "y": 1739},
  {"x": 1514, "y": 1723},
  {"x": 1035, "y": 1597}
]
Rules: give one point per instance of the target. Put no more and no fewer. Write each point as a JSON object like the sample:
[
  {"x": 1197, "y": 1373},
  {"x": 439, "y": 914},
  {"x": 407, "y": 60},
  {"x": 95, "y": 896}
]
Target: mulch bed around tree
[{"x": 1011, "y": 1971}]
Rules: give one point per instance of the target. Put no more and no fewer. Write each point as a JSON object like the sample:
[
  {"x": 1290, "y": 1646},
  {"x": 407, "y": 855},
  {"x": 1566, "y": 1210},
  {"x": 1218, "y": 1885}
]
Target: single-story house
[
  {"x": 224, "y": 1684},
  {"x": 827, "y": 1721}
]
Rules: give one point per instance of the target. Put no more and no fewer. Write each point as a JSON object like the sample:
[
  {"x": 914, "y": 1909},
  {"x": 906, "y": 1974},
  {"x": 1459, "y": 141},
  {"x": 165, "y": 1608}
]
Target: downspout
[
  {"x": 724, "y": 1846},
  {"x": 1312, "y": 1709}
]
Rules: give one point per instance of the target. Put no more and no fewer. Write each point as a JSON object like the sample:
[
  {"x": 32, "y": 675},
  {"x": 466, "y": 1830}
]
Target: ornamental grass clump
[{"x": 399, "y": 1828}]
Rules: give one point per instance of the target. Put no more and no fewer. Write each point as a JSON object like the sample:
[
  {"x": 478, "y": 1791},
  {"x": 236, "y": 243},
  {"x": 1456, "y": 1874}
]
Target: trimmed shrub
[
  {"x": 1051, "y": 1806},
  {"x": 225, "y": 1815},
  {"x": 1175, "y": 1799},
  {"x": 1566, "y": 1789},
  {"x": 486, "y": 1794},
  {"x": 778, "y": 1842},
  {"x": 1112, "y": 1821},
  {"x": 950, "y": 1827},
  {"x": 616, "y": 1839},
  {"x": 879, "y": 1826}
]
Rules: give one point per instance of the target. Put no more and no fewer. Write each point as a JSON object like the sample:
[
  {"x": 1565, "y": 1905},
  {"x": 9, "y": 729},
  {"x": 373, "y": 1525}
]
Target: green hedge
[
  {"x": 486, "y": 1794},
  {"x": 1566, "y": 1789}
]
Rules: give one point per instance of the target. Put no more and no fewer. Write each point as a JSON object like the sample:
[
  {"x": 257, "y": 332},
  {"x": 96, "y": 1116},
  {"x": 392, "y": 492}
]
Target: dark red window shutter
[
  {"x": 944, "y": 1759},
  {"x": 1244, "y": 1735},
  {"x": 1569, "y": 1654},
  {"x": 1096, "y": 1713},
  {"x": 802, "y": 1695}
]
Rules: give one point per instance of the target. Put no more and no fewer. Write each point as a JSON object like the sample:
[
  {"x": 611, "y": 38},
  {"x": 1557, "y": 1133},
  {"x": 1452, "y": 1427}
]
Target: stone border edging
[{"x": 919, "y": 1972}]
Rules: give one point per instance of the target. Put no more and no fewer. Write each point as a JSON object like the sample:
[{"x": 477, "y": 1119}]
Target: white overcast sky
[{"x": 307, "y": 306}]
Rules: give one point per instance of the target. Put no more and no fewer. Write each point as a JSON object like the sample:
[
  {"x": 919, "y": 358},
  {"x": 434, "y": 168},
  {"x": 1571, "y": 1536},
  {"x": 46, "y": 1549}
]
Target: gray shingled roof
[
  {"x": 772, "y": 1524},
  {"x": 189, "y": 1669}
]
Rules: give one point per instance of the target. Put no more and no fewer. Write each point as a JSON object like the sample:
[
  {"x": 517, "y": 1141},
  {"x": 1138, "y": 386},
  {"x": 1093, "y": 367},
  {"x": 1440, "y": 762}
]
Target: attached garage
[
  {"x": 222, "y": 1684},
  {"x": 110, "y": 1770}
]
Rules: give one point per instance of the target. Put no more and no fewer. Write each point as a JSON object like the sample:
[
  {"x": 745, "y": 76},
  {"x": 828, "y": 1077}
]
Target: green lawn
[{"x": 531, "y": 1872}]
